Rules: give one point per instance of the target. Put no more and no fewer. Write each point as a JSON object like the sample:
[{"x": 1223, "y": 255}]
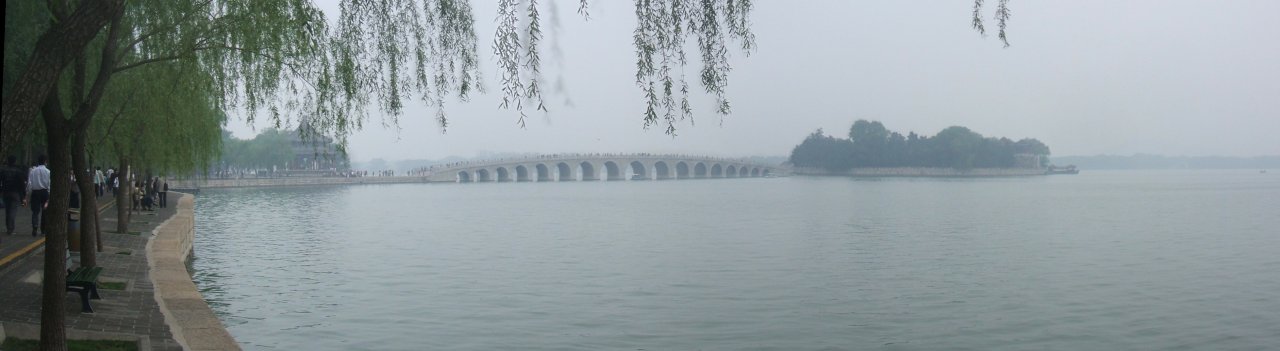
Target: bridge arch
[
  {"x": 543, "y": 174},
  {"x": 682, "y": 170},
  {"x": 663, "y": 172},
  {"x": 588, "y": 171},
  {"x": 503, "y": 174},
  {"x": 638, "y": 171},
  {"x": 575, "y": 167},
  {"x": 564, "y": 173},
  {"x": 612, "y": 171},
  {"x": 522, "y": 173}
]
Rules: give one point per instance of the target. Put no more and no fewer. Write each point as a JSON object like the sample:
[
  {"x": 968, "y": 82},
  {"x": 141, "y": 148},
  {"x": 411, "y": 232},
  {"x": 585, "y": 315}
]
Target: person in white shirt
[
  {"x": 37, "y": 192},
  {"x": 98, "y": 181}
]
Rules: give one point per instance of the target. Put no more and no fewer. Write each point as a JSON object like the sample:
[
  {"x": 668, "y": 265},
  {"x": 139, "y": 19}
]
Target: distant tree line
[
  {"x": 1147, "y": 161},
  {"x": 271, "y": 149},
  {"x": 869, "y": 144}
]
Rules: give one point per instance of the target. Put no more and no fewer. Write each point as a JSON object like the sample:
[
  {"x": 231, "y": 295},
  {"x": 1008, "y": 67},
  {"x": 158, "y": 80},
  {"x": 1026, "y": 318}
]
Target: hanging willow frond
[
  {"x": 662, "y": 30},
  {"x": 977, "y": 18},
  {"x": 390, "y": 51},
  {"x": 1002, "y": 16}
]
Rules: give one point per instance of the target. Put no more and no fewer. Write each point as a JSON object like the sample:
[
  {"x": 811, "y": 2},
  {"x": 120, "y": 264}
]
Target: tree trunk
[
  {"x": 52, "y": 305},
  {"x": 57, "y": 47},
  {"x": 123, "y": 196},
  {"x": 88, "y": 200}
]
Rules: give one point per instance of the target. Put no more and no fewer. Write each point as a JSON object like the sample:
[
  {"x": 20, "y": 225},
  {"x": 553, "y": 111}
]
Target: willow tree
[
  {"x": 168, "y": 122},
  {"x": 242, "y": 46}
]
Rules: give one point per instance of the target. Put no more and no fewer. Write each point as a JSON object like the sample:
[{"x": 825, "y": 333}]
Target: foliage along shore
[{"x": 873, "y": 150}]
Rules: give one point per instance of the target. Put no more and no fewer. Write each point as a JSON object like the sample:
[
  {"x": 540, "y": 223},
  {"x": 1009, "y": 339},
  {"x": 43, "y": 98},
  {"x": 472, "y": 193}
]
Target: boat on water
[{"x": 1068, "y": 169}]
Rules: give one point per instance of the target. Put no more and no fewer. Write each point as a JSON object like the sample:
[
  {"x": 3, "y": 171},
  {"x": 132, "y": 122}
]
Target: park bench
[{"x": 84, "y": 281}]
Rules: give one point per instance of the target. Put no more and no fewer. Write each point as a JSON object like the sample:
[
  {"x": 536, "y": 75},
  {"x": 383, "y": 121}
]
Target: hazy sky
[{"x": 1085, "y": 77}]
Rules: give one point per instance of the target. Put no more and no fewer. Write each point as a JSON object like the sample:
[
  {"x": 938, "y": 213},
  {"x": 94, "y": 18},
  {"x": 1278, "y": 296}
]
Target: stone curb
[{"x": 192, "y": 322}]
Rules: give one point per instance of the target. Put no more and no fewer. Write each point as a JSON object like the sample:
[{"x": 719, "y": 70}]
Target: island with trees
[{"x": 872, "y": 150}]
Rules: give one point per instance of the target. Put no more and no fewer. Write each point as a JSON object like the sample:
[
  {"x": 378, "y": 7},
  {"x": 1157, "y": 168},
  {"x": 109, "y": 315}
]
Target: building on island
[{"x": 315, "y": 153}]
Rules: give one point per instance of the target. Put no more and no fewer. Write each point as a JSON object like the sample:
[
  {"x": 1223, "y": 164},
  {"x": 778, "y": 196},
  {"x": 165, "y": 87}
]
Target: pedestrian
[
  {"x": 98, "y": 181},
  {"x": 37, "y": 193},
  {"x": 13, "y": 183},
  {"x": 154, "y": 189},
  {"x": 164, "y": 193},
  {"x": 137, "y": 195},
  {"x": 113, "y": 181}
]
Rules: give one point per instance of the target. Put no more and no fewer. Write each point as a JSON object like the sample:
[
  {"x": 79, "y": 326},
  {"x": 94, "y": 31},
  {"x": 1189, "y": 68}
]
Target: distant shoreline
[
  {"x": 923, "y": 172},
  {"x": 196, "y": 184},
  {"x": 1140, "y": 161}
]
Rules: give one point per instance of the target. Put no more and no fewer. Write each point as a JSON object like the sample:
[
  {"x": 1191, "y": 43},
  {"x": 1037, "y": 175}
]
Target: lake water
[{"x": 1162, "y": 260}]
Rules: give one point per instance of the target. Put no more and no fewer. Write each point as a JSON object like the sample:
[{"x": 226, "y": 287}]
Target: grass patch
[
  {"x": 111, "y": 285},
  {"x": 129, "y": 233},
  {"x": 11, "y": 344},
  {"x": 125, "y": 252}
]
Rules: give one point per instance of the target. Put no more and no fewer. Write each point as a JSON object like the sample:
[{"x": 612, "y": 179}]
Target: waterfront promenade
[{"x": 135, "y": 313}]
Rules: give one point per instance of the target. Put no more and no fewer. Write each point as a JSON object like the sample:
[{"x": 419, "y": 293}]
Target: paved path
[
  {"x": 133, "y": 311},
  {"x": 21, "y": 237}
]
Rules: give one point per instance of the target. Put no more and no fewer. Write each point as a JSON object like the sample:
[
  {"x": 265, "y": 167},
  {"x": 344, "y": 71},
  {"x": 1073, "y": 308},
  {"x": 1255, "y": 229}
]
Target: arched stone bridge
[{"x": 594, "y": 167}]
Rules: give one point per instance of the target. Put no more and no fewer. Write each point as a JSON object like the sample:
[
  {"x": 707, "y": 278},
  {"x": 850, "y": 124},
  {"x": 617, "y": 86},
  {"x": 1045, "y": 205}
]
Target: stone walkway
[
  {"x": 132, "y": 312},
  {"x": 22, "y": 238}
]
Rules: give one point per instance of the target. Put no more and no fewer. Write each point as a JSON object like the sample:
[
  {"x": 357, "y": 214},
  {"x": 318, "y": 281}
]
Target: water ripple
[{"x": 1114, "y": 261}]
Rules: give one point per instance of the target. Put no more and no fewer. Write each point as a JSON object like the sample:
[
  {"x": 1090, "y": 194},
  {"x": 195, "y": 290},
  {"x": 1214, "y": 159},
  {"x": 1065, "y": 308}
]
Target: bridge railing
[{"x": 580, "y": 156}]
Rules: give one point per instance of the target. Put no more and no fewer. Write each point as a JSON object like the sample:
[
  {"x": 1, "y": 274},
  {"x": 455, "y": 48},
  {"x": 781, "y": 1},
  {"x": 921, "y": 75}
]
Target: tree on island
[{"x": 870, "y": 144}]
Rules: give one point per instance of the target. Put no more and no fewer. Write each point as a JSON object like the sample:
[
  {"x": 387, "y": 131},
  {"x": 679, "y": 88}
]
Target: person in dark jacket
[
  {"x": 13, "y": 184},
  {"x": 164, "y": 193}
]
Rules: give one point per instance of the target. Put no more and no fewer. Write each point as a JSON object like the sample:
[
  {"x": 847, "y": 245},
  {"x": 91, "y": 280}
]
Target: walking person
[
  {"x": 113, "y": 181},
  {"x": 13, "y": 183},
  {"x": 137, "y": 195},
  {"x": 37, "y": 192},
  {"x": 164, "y": 193},
  {"x": 98, "y": 181},
  {"x": 153, "y": 190}
]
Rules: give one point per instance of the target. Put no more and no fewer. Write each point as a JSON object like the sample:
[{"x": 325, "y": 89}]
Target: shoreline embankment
[
  {"x": 195, "y": 184},
  {"x": 922, "y": 172},
  {"x": 191, "y": 321}
]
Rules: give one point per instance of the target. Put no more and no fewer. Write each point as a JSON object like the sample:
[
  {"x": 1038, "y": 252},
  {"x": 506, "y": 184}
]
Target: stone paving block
[{"x": 134, "y": 311}]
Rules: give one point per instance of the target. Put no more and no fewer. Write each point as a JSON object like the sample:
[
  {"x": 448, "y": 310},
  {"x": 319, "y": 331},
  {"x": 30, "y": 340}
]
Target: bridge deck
[{"x": 590, "y": 167}]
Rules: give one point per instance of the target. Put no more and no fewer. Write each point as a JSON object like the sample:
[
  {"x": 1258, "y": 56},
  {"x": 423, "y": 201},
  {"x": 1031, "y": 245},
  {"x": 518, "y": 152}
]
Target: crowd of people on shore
[{"x": 20, "y": 187}]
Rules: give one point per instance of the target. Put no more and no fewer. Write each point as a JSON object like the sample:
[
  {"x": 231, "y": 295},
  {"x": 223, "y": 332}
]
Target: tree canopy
[{"x": 870, "y": 144}]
